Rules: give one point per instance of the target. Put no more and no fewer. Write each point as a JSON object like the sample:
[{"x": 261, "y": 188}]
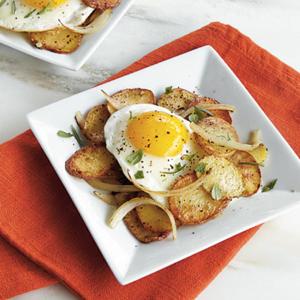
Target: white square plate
[
  {"x": 204, "y": 70},
  {"x": 75, "y": 60}
]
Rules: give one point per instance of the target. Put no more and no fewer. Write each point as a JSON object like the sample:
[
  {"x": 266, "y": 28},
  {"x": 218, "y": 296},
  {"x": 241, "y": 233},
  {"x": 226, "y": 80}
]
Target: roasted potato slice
[
  {"x": 153, "y": 218},
  {"x": 217, "y": 127},
  {"x": 194, "y": 207},
  {"x": 111, "y": 176},
  {"x": 245, "y": 162},
  {"x": 131, "y": 96},
  {"x": 102, "y": 4},
  {"x": 134, "y": 224},
  {"x": 177, "y": 99},
  {"x": 90, "y": 162},
  {"x": 93, "y": 127},
  {"x": 59, "y": 40},
  {"x": 222, "y": 114},
  {"x": 223, "y": 173}
]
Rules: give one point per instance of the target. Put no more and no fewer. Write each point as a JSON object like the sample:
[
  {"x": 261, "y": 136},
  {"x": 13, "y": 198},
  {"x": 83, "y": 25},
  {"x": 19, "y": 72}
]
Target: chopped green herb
[
  {"x": 178, "y": 168},
  {"x": 130, "y": 115},
  {"x": 224, "y": 137},
  {"x": 269, "y": 186},
  {"x": 2, "y": 2},
  {"x": 188, "y": 157},
  {"x": 135, "y": 157},
  {"x": 250, "y": 163},
  {"x": 216, "y": 192},
  {"x": 139, "y": 174},
  {"x": 44, "y": 9},
  {"x": 77, "y": 137},
  {"x": 64, "y": 134},
  {"x": 228, "y": 137},
  {"x": 13, "y": 7},
  {"x": 193, "y": 118},
  {"x": 201, "y": 112},
  {"x": 29, "y": 14},
  {"x": 200, "y": 168},
  {"x": 168, "y": 89}
]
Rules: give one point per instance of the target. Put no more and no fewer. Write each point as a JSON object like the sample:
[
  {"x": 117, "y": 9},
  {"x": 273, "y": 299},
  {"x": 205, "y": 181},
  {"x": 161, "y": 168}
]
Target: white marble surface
[{"x": 268, "y": 267}]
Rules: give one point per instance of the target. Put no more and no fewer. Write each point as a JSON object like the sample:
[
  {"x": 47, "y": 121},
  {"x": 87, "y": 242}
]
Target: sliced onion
[
  {"x": 109, "y": 187},
  {"x": 189, "y": 188},
  {"x": 255, "y": 137},
  {"x": 79, "y": 119},
  {"x": 220, "y": 141},
  {"x": 128, "y": 206},
  {"x": 114, "y": 103},
  {"x": 107, "y": 198},
  {"x": 209, "y": 107},
  {"x": 94, "y": 26}
]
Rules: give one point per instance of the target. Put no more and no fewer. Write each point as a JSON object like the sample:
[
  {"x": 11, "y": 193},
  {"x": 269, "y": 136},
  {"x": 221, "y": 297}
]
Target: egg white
[
  {"x": 73, "y": 12},
  {"x": 152, "y": 166}
]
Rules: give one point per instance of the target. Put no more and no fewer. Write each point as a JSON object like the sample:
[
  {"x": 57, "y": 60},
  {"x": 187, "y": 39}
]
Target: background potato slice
[
  {"x": 102, "y": 4},
  {"x": 131, "y": 96},
  {"x": 153, "y": 218},
  {"x": 177, "y": 99},
  {"x": 222, "y": 114},
  {"x": 225, "y": 174},
  {"x": 90, "y": 162},
  {"x": 93, "y": 128},
  {"x": 111, "y": 176},
  {"x": 194, "y": 207},
  {"x": 134, "y": 224},
  {"x": 251, "y": 173},
  {"x": 59, "y": 40},
  {"x": 218, "y": 127}
]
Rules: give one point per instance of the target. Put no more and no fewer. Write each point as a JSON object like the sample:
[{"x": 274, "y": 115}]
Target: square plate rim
[
  {"x": 131, "y": 278},
  {"x": 71, "y": 65}
]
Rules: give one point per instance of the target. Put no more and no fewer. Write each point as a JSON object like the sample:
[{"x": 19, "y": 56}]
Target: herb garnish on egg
[
  {"x": 139, "y": 174},
  {"x": 2, "y": 2},
  {"x": 135, "y": 157},
  {"x": 29, "y": 14},
  {"x": 178, "y": 168}
]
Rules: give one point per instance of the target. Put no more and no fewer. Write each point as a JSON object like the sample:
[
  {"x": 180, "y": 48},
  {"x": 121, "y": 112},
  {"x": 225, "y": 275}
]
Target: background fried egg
[
  {"x": 41, "y": 15},
  {"x": 165, "y": 139}
]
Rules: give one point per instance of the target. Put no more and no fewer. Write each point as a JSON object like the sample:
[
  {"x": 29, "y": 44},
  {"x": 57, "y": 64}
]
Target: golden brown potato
[
  {"x": 194, "y": 207},
  {"x": 102, "y": 4},
  {"x": 134, "y": 224},
  {"x": 93, "y": 127},
  {"x": 111, "y": 176},
  {"x": 90, "y": 162},
  {"x": 59, "y": 40},
  {"x": 223, "y": 173},
  {"x": 222, "y": 114},
  {"x": 220, "y": 128},
  {"x": 246, "y": 164},
  {"x": 177, "y": 99},
  {"x": 130, "y": 96},
  {"x": 153, "y": 218}
]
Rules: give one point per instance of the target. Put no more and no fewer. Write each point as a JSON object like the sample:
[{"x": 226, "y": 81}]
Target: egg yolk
[
  {"x": 157, "y": 133},
  {"x": 42, "y": 4}
]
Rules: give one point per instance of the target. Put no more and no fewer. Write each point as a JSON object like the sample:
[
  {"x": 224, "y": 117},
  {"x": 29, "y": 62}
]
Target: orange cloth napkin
[{"x": 44, "y": 239}]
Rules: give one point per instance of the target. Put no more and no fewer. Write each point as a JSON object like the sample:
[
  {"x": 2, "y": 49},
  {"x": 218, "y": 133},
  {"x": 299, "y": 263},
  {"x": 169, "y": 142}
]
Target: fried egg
[
  {"x": 164, "y": 139},
  {"x": 41, "y": 15}
]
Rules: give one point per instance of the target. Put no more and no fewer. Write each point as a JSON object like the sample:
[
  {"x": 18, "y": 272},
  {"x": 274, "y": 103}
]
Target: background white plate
[
  {"x": 75, "y": 60},
  {"x": 202, "y": 70}
]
